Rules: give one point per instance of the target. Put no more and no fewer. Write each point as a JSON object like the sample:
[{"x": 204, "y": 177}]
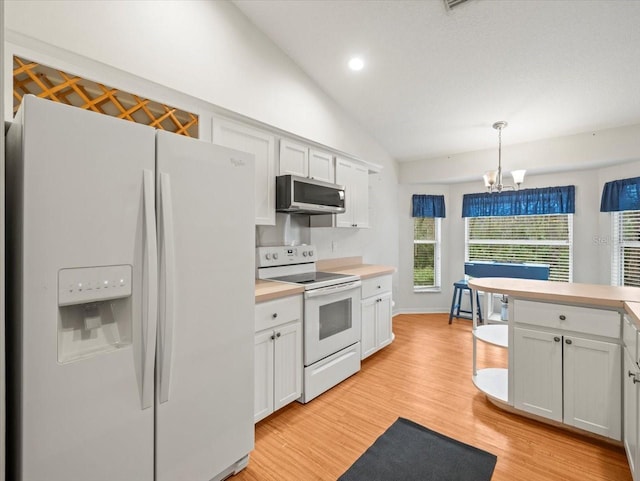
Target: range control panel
[{"x": 285, "y": 255}]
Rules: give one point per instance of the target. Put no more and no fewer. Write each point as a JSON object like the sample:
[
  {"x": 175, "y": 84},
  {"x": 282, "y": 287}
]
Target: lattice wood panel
[{"x": 46, "y": 82}]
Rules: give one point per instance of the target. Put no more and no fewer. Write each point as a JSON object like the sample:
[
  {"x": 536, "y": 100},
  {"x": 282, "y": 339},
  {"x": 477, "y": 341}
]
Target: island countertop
[
  {"x": 596, "y": 295},
  {"x": 633, "y": 311}
]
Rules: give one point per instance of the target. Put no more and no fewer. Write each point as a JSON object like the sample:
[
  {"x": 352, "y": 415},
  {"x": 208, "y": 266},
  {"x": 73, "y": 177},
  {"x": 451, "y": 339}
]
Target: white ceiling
[{"x": 436, "y": 80}]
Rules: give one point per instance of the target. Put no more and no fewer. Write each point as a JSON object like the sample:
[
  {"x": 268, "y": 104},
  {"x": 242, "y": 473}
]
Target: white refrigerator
[{"x": 131, "y": 299}]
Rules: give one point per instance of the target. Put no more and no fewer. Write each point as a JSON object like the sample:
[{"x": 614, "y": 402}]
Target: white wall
[
  {"x": 210, "y": 51},
  {"x": 592, "y": 229},
  {"x": 580, "y": 151},
  {"x": 406, "y": 299}
]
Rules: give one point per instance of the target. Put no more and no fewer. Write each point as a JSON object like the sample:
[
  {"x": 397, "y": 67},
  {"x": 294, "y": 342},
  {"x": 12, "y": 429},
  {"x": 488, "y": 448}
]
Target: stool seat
[{"x": 456, "y": 302}]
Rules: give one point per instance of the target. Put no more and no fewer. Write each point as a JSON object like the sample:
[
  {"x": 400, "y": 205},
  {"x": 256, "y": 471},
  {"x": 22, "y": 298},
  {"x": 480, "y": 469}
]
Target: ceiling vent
[{"x": 453, "y": 3}]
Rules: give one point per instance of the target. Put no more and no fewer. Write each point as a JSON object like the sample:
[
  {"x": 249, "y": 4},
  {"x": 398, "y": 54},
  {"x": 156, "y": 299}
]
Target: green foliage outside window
[{"x": 424, "y": 252}]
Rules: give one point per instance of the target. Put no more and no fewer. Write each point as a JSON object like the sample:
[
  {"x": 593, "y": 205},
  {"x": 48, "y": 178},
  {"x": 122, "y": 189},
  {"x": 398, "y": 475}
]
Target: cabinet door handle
[
  {"x": 273, "y": 337},
  {"x": 274, "y": 315},
  {"x": 563, "y": 317},
  {"x": 557, "y": 339},
  {"x": 278, "y": 334},
  {"x": 568, "y": 341},
  {"x": 630, "y": 374}
]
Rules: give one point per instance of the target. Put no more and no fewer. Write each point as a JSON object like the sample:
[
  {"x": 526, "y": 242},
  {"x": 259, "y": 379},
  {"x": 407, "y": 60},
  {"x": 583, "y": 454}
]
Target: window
[
  {"x": 426, "y": 253},
  {"x": 539, "y": 239},
  {"x": 625, "y": 262}
]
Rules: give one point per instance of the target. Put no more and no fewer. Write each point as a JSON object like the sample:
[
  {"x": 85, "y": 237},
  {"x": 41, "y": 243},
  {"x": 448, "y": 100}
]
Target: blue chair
[{"x": 456, "y": 311}]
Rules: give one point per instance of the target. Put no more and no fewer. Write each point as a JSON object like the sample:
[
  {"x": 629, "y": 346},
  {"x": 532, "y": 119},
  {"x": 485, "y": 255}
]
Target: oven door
[{"x": 331, "y": 320}]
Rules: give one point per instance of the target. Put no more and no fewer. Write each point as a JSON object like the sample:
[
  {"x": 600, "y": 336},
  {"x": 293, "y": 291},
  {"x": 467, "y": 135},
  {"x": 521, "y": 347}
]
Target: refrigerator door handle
[
  {"x": 167, "y": 275},
  {"x": 150, "y": 311}
]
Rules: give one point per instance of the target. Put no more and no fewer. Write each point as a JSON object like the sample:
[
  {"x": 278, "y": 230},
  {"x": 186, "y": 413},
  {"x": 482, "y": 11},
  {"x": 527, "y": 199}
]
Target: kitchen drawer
[
  {"x": 376, "y": 285},
  {"x": 630, "y": 337},
  {"x": 278, "y": 311},
  {"x": 569, "y": 318}
]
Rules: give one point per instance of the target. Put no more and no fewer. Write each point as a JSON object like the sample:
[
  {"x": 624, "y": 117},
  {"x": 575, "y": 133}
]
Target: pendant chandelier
[{"x": 493, "y": 178}]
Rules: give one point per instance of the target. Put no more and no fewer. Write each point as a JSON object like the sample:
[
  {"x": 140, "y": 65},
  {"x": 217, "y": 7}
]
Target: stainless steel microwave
[{"x": 299, "y": 195}]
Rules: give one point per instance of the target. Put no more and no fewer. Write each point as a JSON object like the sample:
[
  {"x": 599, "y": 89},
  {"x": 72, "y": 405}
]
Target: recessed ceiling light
[{"x": 356, "y": 63}]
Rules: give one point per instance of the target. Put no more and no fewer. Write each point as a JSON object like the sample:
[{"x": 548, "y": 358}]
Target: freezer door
[
  {"x": 82, "y": 233},
  {"x": 204, "y": 395}
]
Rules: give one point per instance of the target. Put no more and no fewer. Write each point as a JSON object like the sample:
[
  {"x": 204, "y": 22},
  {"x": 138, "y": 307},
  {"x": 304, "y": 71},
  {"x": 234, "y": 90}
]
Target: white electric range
[{"x": 331, "y": 321}]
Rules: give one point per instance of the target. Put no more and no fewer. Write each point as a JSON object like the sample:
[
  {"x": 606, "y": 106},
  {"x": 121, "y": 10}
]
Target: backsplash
[{"x": 290, "y": 229}]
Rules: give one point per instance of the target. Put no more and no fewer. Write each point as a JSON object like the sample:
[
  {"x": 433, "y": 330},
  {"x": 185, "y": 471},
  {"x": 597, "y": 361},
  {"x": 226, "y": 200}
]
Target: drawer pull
[
  {"x": 274, "y": 315},
  {"x": 568, "y": 341},
  {"x": 563, "y": 317}
]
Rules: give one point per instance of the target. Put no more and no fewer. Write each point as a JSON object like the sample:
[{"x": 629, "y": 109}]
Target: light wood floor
[{"x": 425, "y": 376}]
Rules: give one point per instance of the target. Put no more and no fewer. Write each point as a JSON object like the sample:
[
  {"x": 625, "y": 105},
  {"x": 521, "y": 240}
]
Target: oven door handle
[{"x": 324, "y": 291}]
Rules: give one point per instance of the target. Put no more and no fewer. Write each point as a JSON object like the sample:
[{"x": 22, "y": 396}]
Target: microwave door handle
[{"x": 323, "y": 291}]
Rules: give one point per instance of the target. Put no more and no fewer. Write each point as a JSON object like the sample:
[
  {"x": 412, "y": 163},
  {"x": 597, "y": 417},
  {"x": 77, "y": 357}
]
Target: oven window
[{"x": 335, "y": 318}]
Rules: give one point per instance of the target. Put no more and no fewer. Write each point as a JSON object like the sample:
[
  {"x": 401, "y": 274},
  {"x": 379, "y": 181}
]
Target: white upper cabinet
[
  {"x": 321, "y": 165},
  {"x": 262, "y": 145},
  {"x": 299, "y": 159},
  {"x": 355, "y": 178}
]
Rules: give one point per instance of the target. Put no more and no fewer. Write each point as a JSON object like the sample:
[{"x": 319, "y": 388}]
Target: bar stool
[{"x": 458, "y": 288}]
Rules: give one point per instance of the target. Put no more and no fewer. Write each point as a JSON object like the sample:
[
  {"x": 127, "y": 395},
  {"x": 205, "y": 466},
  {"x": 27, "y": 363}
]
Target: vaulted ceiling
[{"x": 435, "y": 80}]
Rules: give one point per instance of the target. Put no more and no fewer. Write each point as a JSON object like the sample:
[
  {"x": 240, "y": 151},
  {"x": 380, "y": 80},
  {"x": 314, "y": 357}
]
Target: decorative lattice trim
[{"x": 33, "y": 78}]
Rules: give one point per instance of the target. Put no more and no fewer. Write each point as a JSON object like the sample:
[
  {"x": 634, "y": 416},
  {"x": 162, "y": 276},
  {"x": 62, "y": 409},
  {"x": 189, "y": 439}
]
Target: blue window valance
[
  {"x": 548, "y": 200},
  {"x": 428, "y": 205},
  {"x": 621, "y": 195}
]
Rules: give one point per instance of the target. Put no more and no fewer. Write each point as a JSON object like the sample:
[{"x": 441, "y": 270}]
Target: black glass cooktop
[{"x": 310, "y": 277}]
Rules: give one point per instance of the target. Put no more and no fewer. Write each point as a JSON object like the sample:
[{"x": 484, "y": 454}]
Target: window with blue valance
[
  {"x": 428, "y": 205},
  {"x": 548, "y": 200},
  {"x": 620, "y": 195}
]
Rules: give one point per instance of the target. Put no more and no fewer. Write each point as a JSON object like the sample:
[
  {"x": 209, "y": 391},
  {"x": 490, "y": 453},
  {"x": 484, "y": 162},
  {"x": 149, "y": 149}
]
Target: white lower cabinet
[
  {"x": 538, "y": 373},
  {"x": 376, "y": 314},
  {"x": 631, "y": 397},
  {"x": 278, "y": 355},
  {"x": 569, "y": 377},
  {"x": 630, "y": 411}
]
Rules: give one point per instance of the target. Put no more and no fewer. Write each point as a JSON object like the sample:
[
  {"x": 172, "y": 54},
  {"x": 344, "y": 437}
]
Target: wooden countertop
[
  {"x": 633, "y": 310},
  {"x": 595, "y": 295},
  {"x": 268, "y": 290},
  {"x": 365, "y": 271}
]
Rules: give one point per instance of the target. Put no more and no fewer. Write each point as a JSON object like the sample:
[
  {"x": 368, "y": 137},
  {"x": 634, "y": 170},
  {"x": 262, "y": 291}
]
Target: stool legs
[
  {"x": 456, "y": 302},
  {"x": 454, "y": 305}
]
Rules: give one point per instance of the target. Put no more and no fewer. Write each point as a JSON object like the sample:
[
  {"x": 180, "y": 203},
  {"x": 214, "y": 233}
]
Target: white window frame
[
  {"x": 617, "y": 248},
  {"x": 568, "y": 242},
  {"x": 437, "y": 258}
]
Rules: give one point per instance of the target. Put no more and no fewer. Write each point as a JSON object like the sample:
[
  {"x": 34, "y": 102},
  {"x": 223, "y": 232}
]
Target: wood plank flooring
[{"x": 425, "y": 376}]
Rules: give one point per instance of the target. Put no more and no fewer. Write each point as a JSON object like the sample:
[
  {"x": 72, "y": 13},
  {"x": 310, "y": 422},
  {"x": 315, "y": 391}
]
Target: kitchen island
[{"x": 566, "y": 346}]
